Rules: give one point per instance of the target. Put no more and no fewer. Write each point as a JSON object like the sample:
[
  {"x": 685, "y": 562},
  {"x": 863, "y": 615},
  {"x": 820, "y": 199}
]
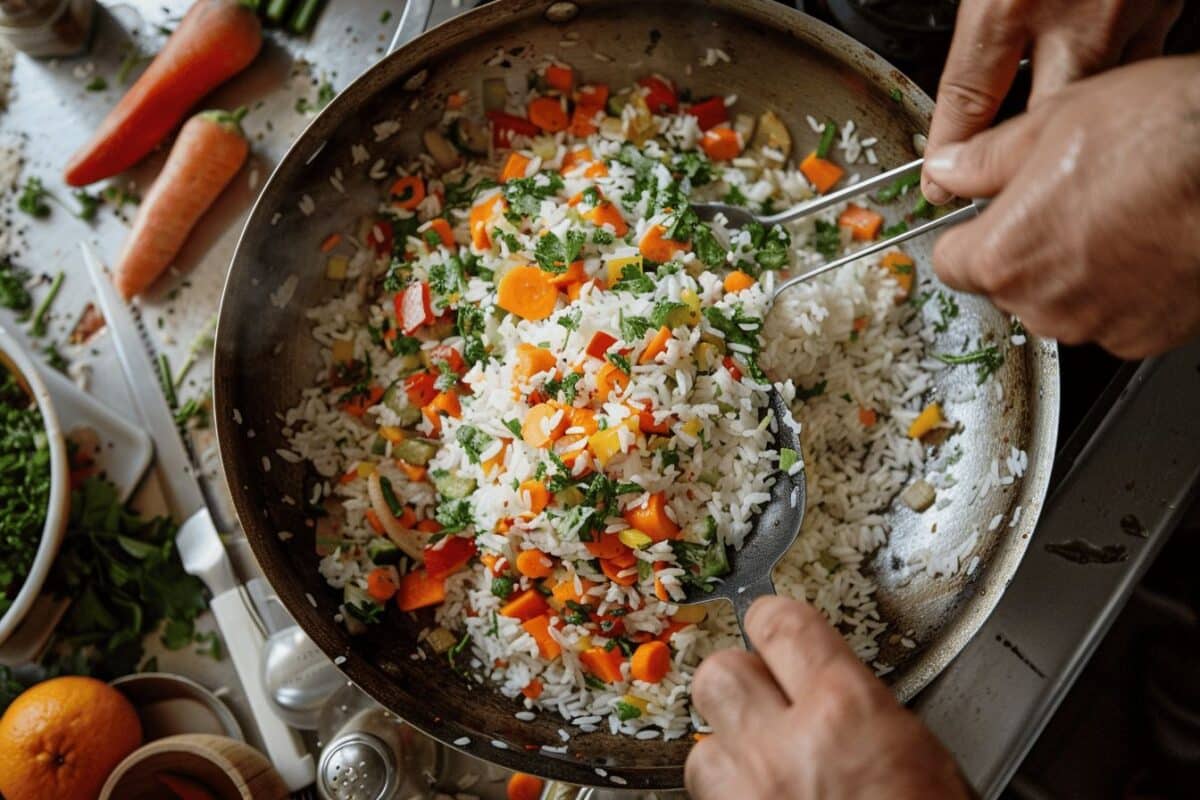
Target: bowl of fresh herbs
[{"x": 34, "y": 484}]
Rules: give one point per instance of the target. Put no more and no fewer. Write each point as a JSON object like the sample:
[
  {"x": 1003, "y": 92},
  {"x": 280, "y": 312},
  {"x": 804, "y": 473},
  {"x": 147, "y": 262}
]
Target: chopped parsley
[
  {"x": 555, "y": 255},
  {"x": 707, "y": 248},
  {"x": 662, "y": 312},
  {"x": 735, "y": 333},
  {"x": 473, "y": 442},
  {"x": 634, "y": 280},
  {"x": 633, "y": 328},
  {"x": 827, "y": 238},
  {"x": 454, "y": 516},
  {"x": 525, "y": 195},
  {"x": 627, "y": 711},
  {"x": 602, "y": 237},
  {"x": 502, "y": 586},
  {"x": 895, "y": 230},
  {"x": 514, "y": 426},
  {"x": 13, "y": 294},
  {"x": 947, "y": 309},
  {"x": 694, "y": 166},
  {"x": 96, "y": 84},
  {"x": 734, "y": 197},
  {"x": 38, "y": 326},
  {"x": 771, "y": 248},
  {"x": 24, "y": 485},
  {"x": 986, "y": 360},
  {"x": 89, "y": 204},
  {"x": 620, "y": 362},
  {"x": 33, "y": 198}
]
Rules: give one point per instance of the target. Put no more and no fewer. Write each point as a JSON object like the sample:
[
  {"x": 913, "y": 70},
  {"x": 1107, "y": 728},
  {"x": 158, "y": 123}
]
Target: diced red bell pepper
[
  {"x": 380, "y": 238},
  {"x": 660, "y": 95},
  {"x": 450, "y": 557},
  {"x": 414, "y": 307},
  {"x": 444, "y": 352},
  {"x": 600, "y": 343},
  {"x": 505, "y": 126},
  {"x": 421, "y": 388},
  {"x": 732, "y": 366},
  {"x": 709, "y": 113}
]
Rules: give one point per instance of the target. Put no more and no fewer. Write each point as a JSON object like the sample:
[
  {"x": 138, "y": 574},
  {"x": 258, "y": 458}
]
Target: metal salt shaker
[{"x": 370, "y": 753}]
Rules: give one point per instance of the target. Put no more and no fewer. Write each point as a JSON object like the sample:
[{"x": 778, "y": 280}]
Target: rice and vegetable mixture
[{"x": 544, "y": 409}]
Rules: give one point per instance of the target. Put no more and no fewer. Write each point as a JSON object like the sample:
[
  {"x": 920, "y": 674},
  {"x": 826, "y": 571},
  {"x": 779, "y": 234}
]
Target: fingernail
[
  {"x": 944, "y": 159},
  {"x": 934, "y": 193}
]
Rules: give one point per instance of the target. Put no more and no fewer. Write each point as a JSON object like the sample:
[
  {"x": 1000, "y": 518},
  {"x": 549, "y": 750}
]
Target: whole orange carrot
[
  {"x": 209, "y": 151},
  {"x": 215, "y": 40}
]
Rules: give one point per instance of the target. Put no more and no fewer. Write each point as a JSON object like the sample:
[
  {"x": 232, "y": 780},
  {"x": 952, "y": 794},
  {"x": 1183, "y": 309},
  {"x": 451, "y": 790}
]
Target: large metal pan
[{"x": 782, "y": 60}]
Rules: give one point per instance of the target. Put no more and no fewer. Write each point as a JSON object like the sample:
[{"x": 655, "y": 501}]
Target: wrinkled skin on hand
[
  {"x": 802, "y": 718},
  {"x": 1066, "y": 40},
  {"x": 1094, "y": 230}
]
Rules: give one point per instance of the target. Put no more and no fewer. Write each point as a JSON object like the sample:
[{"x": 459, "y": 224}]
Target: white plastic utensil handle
[{"x": 244, "y": 641}]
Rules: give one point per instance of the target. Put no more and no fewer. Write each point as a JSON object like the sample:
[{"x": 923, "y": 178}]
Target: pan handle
[{"x": 412, "y": 22}]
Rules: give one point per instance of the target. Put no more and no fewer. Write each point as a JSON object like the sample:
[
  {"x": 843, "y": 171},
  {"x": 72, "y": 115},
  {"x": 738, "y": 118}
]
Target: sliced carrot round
[
  {"x": 408, "y": 192},
  {"x": 527, "y": 292},
  {"x": 738, "y": 281},
  {"x": 539, "y": 495}
]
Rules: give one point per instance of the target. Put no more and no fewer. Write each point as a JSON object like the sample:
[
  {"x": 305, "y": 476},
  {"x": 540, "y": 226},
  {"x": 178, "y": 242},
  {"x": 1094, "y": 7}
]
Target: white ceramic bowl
[{"x": 13, "y": 357}]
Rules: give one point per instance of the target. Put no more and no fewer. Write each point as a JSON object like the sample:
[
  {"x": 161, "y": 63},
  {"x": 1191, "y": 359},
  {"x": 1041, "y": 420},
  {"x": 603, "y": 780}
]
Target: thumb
[{"x": 983, "y": 165}]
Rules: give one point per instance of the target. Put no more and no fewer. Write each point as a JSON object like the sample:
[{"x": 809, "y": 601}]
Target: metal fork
[{"x": 737, "y": 217}]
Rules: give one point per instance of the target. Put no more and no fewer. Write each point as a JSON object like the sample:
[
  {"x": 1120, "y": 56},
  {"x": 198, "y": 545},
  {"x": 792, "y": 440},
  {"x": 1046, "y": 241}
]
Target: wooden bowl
[{"x": 227, "y": 768}]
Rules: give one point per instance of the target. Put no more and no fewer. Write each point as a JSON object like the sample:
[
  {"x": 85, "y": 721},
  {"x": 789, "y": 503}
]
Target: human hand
[
  {"x": 1066, "y": 40},
  {"x": 801, "y": 717},
  {"x": 1094, "y": 230}
]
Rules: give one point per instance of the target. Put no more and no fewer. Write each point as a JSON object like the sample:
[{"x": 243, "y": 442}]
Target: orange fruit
[{"x": 61, "y": 739}]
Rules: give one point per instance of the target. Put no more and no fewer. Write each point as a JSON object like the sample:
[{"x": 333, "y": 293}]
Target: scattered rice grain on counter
[{"x": 571, "y": 455}]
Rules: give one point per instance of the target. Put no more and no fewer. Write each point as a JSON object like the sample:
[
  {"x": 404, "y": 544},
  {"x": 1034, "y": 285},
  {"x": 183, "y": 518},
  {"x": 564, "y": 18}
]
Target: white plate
[{"x": 123, "y": 456}]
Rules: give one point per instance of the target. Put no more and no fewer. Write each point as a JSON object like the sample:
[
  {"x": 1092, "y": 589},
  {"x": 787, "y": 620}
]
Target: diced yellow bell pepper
[
  {"x": 637, "y": 702},
  {"x": 616, "y": 265},
  {"x": 583, "y": 643},
  {"x": 391, "y": 433},
  {"x": 365, "y": 469},
  {"x": 343, "y": 351},
  {"x": 607, "y": 443},
  {"x": 335, "y": 268},
  {"x": 926, "y": 421},
  {"x": 692, "y": 427},
  {"x": 631, "y": 537}
]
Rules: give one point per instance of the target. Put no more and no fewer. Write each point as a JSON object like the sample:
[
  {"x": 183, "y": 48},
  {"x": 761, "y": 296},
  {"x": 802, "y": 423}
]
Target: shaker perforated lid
[{"x": 357, "y": 766}]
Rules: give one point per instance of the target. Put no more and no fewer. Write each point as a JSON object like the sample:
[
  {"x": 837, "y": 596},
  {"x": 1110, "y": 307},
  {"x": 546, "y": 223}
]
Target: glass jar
[{"x": 47, "y": 28}]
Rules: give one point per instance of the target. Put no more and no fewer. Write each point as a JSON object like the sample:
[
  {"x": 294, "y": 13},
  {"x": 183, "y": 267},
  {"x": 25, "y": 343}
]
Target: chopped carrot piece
[
  {"x": 613, "y": 572},
  {"x": 560, "y": 78},
  {"x": 533, "y": 690},
  {"x": 867, "y": 417},
  {"x": 821, "y": 173},
  {"x": 524, "y": 606},
  {"x": 864, "y": 224},
  {"x": 536, "y": 429},
  {"x": 574, "y": 274},
  {"x": 660, "y": 591},
  {"x": 596, "y": 170},
  {"x": 539, "y": 628},
  {"x": 606, "y": 546},
  {"x": 442, "y": 228},
  {"x": 407, "y": 192},
  {"x": 381, "y": 584},
  {"x": 657, "y": 247},
  {"x": 607, "y": 214},
  {"x": 408, "y": 517},
  {"x": 574, "y": 290},
  {"x": 534, "y": 564},
  {"x": 429, "y": 526},
  {"x": 903, "y": 270},
  {"x": 527, "y": 292},
  {"x": 491, "y": 463},
  {"x": 721, "y": 144},
  {"x": 610, "y": 377},
  {"x": 539, "y": 498},
  {"x": 600, "y": 343},
  {"x": 357, "y": 406},
  {"x": 457, "y": 100},
  {"x": 738, "y": 281},
  {"x": 331, "y": 241},
  {"x": 604, "y": 664},
  {"x": 565, "y": 590},
  {"x": 482, "y": 214},
  {"x": 568, "y": 448},
  {"x": 532, "y": 360},
  {"x": 594, "y": 95},
  {"x": 413, "y": 472},
  {"x": 657, "y": 345},
  {"x": 514, "y": 167},
  {"x": 374, "y": 521},
  {"x": 646, "y": 420},
  {"x": 651, "y": 518},
  {"x": 548, "y": 114},
  {"x": 650, "y": 662},
  {"x": 576, "y": 158},
  {"x": 418, "y": 590},
  {"x": 583, "y": 418},
  {"x": 447, "y": 403},
  {"x": 523, "y": 786}
]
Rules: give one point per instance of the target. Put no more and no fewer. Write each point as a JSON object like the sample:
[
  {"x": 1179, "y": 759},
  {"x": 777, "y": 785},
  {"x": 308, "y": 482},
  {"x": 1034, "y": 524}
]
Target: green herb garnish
[
  {"x": 38, "y": 326},
  {"x": 986, "y": 359}
]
